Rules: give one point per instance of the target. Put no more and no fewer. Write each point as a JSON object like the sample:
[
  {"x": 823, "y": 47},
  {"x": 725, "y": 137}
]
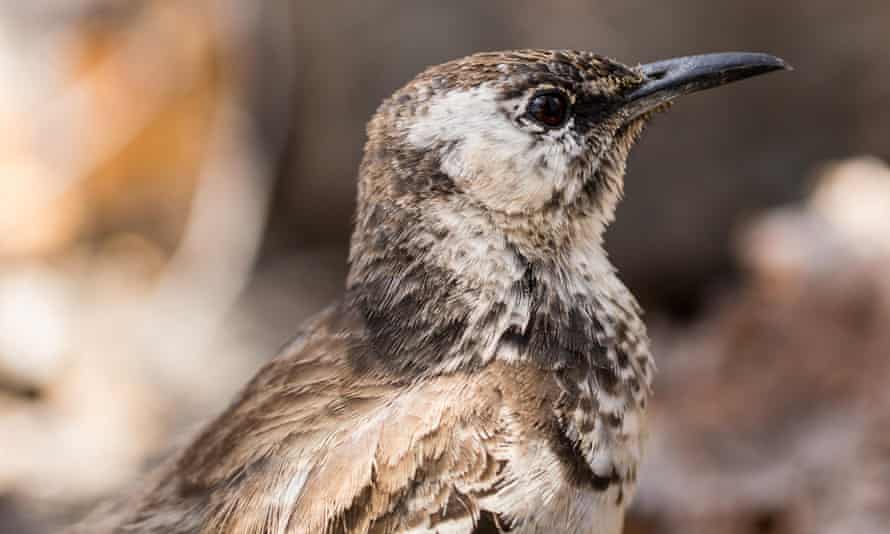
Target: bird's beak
[{"x": 670, "y": 78}]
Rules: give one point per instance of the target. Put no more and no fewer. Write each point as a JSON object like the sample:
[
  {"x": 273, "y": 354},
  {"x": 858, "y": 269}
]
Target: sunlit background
[{"x": 176, "y": 186}]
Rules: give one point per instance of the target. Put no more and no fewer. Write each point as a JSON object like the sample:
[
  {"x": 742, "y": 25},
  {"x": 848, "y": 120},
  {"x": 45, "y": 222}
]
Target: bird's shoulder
[{"x": 316, "y": 444}]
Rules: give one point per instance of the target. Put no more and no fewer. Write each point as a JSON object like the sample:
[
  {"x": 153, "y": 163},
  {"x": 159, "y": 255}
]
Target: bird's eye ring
[{"x": 548, "y": 108}]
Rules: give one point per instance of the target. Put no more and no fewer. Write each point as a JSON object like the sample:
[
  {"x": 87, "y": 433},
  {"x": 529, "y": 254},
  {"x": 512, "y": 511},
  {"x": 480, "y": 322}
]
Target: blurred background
[{"x": 177, "y": 181}]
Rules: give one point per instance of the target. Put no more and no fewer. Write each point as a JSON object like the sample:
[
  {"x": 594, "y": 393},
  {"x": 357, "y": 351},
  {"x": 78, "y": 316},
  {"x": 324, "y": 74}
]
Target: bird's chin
[{"x": 629, "y": 131}]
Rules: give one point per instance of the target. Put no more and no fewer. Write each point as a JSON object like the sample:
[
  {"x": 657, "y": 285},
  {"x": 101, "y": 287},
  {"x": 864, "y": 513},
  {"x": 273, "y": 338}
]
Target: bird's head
[
  {"x": 485, "y": 188},
  {"x": 533, "y": 141}
]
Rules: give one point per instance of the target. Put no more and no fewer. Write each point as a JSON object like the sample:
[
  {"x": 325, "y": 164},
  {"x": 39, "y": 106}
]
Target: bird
[{"x": 485, "y": 370}]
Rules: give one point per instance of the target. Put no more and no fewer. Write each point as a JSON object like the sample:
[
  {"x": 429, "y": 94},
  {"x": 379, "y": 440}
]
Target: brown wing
[{"x": 311, "y": 446}]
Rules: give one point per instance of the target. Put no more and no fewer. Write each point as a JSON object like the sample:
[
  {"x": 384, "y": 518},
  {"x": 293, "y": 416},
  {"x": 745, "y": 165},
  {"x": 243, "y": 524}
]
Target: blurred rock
[
  {"x": 772, "y": 410},
  {"x": 104, "y": 116},
  {"x": 14, "y": 521},
  {"x": 37, "y": 219},
  {"x": 853, "y": 197},
  {"x": 35, "y": 327},
  {"x": 76, "y": 420}
]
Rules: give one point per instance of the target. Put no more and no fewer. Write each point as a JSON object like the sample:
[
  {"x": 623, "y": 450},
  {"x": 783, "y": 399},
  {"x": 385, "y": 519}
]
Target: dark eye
[{"x": 550, "y": 109}]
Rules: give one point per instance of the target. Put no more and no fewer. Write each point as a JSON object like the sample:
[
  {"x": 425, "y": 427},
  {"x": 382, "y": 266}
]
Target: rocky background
[{"x": 177, "y": 180}]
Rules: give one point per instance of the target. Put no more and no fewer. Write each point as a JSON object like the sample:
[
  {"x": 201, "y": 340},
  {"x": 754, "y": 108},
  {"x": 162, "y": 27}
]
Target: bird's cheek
[
  {"x": 509, "y": 183},
  {"x": 510, "y": 193}
]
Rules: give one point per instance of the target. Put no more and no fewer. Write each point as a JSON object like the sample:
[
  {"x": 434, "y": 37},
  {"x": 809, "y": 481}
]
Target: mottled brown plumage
[{"x": 486, "y": 371}]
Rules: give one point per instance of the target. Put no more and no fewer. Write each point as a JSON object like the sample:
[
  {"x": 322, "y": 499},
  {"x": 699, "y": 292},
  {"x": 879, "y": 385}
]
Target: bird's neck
[{"x": 441, "y": 292}]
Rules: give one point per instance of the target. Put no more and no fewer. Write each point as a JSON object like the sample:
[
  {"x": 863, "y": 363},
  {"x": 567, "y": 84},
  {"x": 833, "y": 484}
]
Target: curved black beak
[{"x": 670, "y": 78}]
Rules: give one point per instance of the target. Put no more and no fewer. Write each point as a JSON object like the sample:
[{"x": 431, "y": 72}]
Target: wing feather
[{"x": 314, "y": 446}]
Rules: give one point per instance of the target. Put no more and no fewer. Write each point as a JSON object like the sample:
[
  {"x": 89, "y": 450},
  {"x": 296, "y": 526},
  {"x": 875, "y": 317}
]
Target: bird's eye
[{"x": 550, "y": 108}]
